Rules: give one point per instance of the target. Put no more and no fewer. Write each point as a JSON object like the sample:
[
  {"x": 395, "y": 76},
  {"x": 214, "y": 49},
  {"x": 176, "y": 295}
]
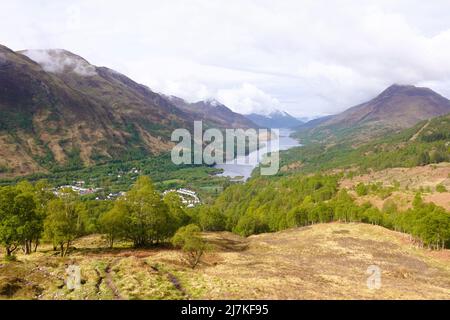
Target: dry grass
[
  {"x": 410, "y": 180},
  {"x": 319, "y": 262},
  {"x": 327, "y": 262}
]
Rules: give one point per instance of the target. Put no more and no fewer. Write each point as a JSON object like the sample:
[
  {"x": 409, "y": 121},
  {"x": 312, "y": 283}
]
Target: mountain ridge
[
  {"x": 397, "y": 107},
  {"x": 215, "y": 111},
  {"x": 61, "y": 111},
  {"x": 275, "y": 119}
]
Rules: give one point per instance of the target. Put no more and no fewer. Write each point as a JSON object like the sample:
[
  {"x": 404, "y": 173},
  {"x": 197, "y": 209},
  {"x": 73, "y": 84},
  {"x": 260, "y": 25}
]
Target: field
[{"x": 324, "y": 261}]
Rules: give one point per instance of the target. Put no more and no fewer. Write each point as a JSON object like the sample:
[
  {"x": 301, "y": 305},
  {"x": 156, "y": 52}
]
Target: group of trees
[
  {"x": 269, "y": 205},
  {"x": 427, "y": 223},
  {"x": 117, "y": 175},
  {"x": 143, "y": 216},
  {"x": 30, "y": 213},
  {"x": 22, "y": 213}
]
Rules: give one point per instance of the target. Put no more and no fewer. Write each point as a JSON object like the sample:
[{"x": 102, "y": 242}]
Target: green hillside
[{"x": 425, "y": 143}]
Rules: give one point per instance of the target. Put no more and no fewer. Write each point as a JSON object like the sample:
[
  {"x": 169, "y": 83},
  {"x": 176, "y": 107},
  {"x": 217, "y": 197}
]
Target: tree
[
  {"x": 390, "y": 207},
  {"x": 373, "y": 216},
  {"x": 63, "y": 223},
  {"x": 251, "y": 223},
  {"x": 189, "y": 240},
  {"x": 297, "y": 217},
  {"x": 43, "y": 195},
  {"x": 9, "y": 220},
  {"x": 361, "y": 189},
  {"x": 211, "y": 219},
  {"x": 30, "y": 227},
  {"x": 94, "y": 211},
  {"x": 147, "y": 216},
  {"x": 113, "y": 222},
  {"x": 176, "y": 210},
  {"x": 423, "y": 158}
]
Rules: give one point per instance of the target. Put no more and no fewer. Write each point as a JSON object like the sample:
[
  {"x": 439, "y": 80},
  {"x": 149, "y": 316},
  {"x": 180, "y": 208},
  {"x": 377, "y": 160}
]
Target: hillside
[
  {"x": 214, "y": 113},
  {"x": 398, "y": 107},
  {"x": 276, "y": 119},
  {"x": 313, "y": 123},
  {"x": 423, "y": 144},
  {"x": 66, "y": 112},
  {"x": 399, "y": 186},
  {"x": 61, "y": 112},
  {"x": 325, "y": 261}
]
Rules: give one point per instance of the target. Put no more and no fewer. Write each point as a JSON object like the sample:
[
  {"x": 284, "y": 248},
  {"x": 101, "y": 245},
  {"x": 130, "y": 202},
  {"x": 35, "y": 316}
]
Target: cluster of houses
[
  {"x": 79, "y": 190},
  {"x": 113, "y": 196},
  {"x": 86, "y": 191},
  {"x": 188, "y": 197}
]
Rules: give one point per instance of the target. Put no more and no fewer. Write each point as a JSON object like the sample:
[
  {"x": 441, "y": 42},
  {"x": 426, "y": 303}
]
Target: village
[{"x": 188, "y": 197}]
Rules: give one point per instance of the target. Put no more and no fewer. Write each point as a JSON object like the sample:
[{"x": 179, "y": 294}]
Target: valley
[
  {"x": 61, "y": 112},
  {"x": 238, "y": 171},
  {"x": 119, "y": 176},
  {"x": 362, "y": 189}
]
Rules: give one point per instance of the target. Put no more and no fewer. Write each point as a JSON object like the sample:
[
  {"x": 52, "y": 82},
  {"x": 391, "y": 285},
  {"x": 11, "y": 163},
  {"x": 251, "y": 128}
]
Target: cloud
[
  {"x": 247, "y": 99},
  {"x": 58, "y": 61},
  {"x": 306, "y": 57}
]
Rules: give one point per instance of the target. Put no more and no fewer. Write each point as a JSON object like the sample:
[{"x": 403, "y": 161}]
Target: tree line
[
  {"x": 270, "y": 205},
  {"x": 31, "y": 213}
]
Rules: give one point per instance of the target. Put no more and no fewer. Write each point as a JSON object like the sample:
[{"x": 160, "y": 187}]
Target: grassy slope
[
  {"x": 318, "y": 262},
  {"x": 404, "y": 149},
  {"x": 408, "y": 181}
]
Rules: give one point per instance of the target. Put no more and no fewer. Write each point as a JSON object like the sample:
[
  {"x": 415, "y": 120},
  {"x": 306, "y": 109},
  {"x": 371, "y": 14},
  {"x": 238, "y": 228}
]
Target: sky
[{"x": 308, "y": 58}]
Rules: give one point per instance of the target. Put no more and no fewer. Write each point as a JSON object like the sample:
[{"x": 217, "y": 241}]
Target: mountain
[
  {"x": 315, "y": 122},
  {"x": 276, "y": 119},
  {"x": 398, "y": 107},
  {"x": 57, "y": 110},
  {"x": 213, "y": 112},
  {"x": 306, "y": 119},
  {"x": 426, "y": 143}
]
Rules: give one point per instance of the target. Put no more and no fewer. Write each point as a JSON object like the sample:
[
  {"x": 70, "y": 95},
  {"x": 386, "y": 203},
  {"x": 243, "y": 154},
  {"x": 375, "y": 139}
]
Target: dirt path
[
  {"x": 414, "y": 137},
  {"x": 99, "y": 281},
  {"x": 110, "y": 283},
  {"x": 174, "y": 280}
]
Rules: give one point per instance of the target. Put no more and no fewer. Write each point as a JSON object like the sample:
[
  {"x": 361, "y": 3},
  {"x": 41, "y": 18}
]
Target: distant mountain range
[
  {"x": 276, "y": 119},
  {"x": 213, "y": 112},
  {"x": 398, "y": 107},
  {"x": 58, "y": 110}
]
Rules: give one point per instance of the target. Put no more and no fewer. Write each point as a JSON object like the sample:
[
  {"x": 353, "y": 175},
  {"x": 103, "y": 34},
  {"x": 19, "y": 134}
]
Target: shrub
[
  {"x": 361, "y": 189},
  {"x": 189, "y": 240}
]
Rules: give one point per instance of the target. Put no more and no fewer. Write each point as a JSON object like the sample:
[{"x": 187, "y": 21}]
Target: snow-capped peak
[
  {"x": 213, "y": 102},
  {"x": 277, "y": 114}
]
